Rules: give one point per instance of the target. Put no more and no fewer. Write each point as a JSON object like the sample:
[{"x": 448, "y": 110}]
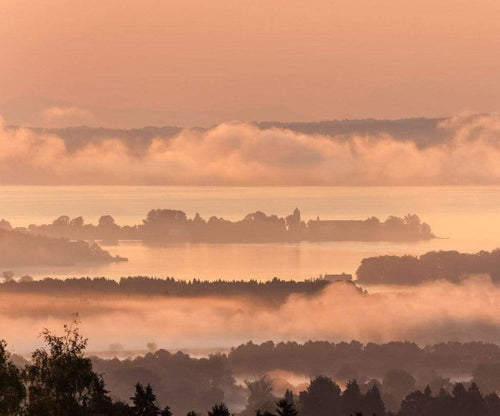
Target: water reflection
[{"x": 242, "y": 261}]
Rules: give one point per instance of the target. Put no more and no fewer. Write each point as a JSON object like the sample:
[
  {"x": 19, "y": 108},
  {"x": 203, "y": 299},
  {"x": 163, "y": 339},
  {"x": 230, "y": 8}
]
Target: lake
[{"x": 466, "y": 219}]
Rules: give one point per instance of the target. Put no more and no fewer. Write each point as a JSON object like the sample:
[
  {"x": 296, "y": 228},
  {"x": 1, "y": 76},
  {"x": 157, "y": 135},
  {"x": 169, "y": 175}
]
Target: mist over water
[
  {"x": 428, "y": 313},
  {"x": 435, "y": 312}
]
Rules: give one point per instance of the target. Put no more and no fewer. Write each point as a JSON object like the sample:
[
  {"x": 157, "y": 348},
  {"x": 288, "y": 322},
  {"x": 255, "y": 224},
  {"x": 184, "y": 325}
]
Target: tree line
[
  {"x": 60, "y": 380},
  {"x": 452, "y": 266},
  {"x": 348, "y": 360},
  {"x": 398, "y": 368},
  {"x": 276, "y": 289},
  {"x": 169, "y": 225}
]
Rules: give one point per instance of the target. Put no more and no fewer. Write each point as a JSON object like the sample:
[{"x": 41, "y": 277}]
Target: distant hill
[
  {"x": 423, "y": 131},
  {"x": 76, "y": 137},
  {"x": 18, "y": 249}
]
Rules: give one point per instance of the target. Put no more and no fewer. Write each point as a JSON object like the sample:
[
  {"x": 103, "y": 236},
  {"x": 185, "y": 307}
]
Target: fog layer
[
  {"x": 244, "y": 154},
  {"x": 428, "y": 313}
]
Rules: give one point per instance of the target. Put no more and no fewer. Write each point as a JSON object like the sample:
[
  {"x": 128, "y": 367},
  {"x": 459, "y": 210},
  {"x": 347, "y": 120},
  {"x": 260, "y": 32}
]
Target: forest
[
  {"x": 60, "y": 379},
  {"x": 275, "y": 289},
  {"x": 396, "y": 368},
  {"x": 452, "y": 266},
  {"x": 168, "y": 225}
]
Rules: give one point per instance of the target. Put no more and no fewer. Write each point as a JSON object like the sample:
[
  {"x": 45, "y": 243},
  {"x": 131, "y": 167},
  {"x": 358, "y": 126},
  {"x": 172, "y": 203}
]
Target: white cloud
[{"x": 243, "y": 154}]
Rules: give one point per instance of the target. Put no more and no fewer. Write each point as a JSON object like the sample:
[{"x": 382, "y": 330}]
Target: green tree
[
  {"x": 60, "y": 379},
  {"x": 12, "y": 390}
]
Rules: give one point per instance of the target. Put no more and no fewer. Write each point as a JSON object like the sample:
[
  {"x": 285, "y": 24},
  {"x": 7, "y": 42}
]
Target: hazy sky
[{"x": 130, "y": 63}]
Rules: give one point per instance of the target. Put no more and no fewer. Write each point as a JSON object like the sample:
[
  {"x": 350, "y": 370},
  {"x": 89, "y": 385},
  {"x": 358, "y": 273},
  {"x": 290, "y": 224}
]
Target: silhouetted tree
[
  {"x": 372, "y": 402},
  {"x": 119, "y": 408},
  {"x": 398, "y": 382},
  {"x": 286, "y": 405},
  {"x": 459, "y": 402},
  {"x": 76, "y": 223},
  {"x": 321, "y": 398},
  {"x": 163, "y": 225},
  {"x": 493, "y": 404},
  {"x": 258, "y": 412},
  {"x": 351, "y": 398},
  {"x": 415, "y": 404},
  {"x": 12, "y": 390},
  {"x": 100, "y": 402},
  {"x": 219, "y": 409},
  {"x": 5, "y": 225},
  {"x": 144, "y": 401},
  {"x": 106, "y": 221},
  {"x": 166, "y": 411},
  {"x": 260, "y": 396},
  {"x": 60, "y": 380},
  {"x": 61, "y": 222},
  {"x": 475, "y": 401}
]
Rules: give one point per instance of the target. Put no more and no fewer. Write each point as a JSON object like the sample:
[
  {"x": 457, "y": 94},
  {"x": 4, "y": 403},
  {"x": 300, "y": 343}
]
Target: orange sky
[{"x": 188, "y": 62}]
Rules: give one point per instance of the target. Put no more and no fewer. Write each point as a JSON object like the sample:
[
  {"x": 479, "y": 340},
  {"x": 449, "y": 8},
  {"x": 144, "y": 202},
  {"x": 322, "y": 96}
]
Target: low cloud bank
[
  {"x": 430, "y": 313},
  {"x": 244, "y": 154}
]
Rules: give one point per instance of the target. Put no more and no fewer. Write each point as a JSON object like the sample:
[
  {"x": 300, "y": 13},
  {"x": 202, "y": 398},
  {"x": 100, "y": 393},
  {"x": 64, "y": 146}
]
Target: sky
[{"x": 123, "y": 63}]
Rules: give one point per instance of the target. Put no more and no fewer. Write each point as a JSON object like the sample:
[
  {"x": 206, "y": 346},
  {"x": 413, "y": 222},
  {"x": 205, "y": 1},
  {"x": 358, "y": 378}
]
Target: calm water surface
[{"x": 466, "y": 217}]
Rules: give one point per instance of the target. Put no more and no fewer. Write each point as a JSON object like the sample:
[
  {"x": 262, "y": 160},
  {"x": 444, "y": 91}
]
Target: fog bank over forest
[
  {"x": 460, "y": 150},
  {"x": 429, "y": 313}
]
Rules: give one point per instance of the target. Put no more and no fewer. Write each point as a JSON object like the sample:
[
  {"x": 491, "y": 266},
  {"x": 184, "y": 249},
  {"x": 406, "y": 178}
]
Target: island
[
  {"x": 451, "y": 266},
  {"x": 169, "y": 225}
]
